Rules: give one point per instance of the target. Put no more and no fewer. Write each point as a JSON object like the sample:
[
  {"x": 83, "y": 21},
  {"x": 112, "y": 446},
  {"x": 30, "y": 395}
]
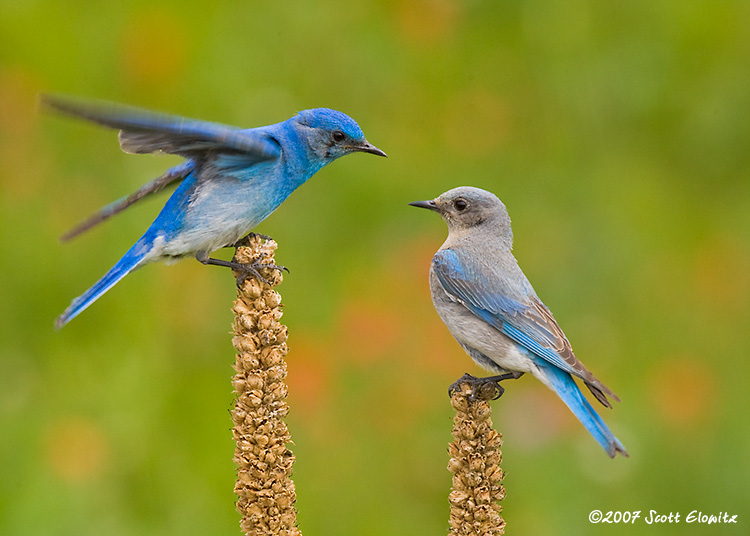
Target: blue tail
[
  {"x": 568, "y": 391},
  {"x": 131, "y": 260}
]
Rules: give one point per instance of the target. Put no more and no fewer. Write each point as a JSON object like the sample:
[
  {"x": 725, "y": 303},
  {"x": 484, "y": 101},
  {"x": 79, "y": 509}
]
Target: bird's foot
[
  {"x": 482, "y": 388},
  {"x": 246, "y": 269},
  {"x": 251, "y": 270}
]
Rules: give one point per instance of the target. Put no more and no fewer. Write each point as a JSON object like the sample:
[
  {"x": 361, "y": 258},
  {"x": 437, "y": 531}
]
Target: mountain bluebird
[
  {"x": 489, "y": 306},
  {"x": 231, "y": 179}
]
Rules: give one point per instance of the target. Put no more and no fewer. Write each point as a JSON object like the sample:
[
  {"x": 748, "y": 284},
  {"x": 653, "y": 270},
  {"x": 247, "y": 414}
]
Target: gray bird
[{"x": 491, "y": 309}]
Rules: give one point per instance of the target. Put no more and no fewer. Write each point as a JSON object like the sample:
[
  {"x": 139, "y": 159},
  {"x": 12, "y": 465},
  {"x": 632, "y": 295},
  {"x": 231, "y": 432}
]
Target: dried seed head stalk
[
  {"x": 475, "y": 464},
  {"x": 264, "y": 486}
]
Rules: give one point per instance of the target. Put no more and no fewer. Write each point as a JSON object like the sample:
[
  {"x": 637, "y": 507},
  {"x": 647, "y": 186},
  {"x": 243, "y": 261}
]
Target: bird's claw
[
  {"x": 245, "y": 268},
  {"x": 252, "y": 269},
  {"x": 481, "y": 388}
]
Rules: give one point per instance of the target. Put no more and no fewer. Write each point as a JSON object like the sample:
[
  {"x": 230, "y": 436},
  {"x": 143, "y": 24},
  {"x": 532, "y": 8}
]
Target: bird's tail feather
[
  {"x": 567, "y": 389},
  {"x": 131, "y": 260}
]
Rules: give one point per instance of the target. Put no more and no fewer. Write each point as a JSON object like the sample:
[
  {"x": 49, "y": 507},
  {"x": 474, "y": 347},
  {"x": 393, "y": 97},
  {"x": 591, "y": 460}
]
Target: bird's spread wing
[
  {"x": 142, "y": 131},
  {"x": 175, "y": 174},
  {"x": 530, "y": 324}
]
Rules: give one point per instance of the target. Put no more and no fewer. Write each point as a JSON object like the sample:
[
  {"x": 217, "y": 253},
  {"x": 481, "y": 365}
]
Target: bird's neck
[
  {"x": 300, "y": 161},
  {"x": 469, "y": 238}
]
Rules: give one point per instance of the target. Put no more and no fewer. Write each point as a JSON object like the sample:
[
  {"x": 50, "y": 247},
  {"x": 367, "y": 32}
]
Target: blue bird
[
  {"x": 491, "y": 309},
  {"x": 231, "y": 180}
]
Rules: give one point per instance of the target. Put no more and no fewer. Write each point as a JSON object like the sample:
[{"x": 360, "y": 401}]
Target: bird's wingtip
[
  {"x": 60, "y": 321},
  {"x": 45, "y": 101},
  {"x": 617, "y": 448},
  {"x": 52, "y": 101}
]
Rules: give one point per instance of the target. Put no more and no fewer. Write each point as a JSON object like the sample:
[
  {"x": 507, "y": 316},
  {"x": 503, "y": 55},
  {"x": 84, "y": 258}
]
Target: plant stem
[
  {"x": 475, "y": 464},
  {"x": 265, "y": 490}
]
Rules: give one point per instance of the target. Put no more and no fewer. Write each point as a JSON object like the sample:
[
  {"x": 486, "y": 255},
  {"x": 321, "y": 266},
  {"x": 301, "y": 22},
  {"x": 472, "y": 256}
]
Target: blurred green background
[{"x": 617, "y": 133}]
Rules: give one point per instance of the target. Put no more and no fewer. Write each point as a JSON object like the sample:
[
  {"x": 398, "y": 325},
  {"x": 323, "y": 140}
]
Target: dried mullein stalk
[
  {"x": 475, "y": 464},
  {"x": 265, "y": 490}
]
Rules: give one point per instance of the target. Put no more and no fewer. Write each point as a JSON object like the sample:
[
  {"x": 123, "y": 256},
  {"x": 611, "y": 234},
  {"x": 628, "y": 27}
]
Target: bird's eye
[
  {"x": 338, "y": 136},
  {"x": 460, "y": 204}
]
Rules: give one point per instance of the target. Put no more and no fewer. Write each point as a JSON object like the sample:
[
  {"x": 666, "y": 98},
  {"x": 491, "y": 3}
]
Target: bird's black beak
[
  {"x": 429, "y": 205},
  {"x": 367, "y": 147}
]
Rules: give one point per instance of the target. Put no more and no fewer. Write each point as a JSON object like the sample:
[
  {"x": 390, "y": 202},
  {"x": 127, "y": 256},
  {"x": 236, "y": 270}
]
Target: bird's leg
[
  {"x": 245, "y": 269},
  {"x": 484, "y": 388}
]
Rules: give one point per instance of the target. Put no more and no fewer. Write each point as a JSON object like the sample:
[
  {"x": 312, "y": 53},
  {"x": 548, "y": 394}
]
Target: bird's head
[
  {"x": 332, "y": 134},
  {"x": 467, "y": 207}
]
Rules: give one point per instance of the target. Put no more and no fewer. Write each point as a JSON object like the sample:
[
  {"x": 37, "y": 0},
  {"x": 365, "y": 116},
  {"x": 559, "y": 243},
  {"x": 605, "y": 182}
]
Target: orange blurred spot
[
  {"x": 426, "y": 22},
  {"x": 154, "y": 47},
  {"x": 425, "y": 339},
  {"x": 370, "y": 329},
  {"x": 476, "y": 122},
  {"x": 23, "y": 167},
  {"x": 409, "y": 263},
  {"x": 684, "y": 391},
  {"x": 309, "y": 374},
  {"x": 439, "y": 351},
  {"x": 75, "y": 449}
]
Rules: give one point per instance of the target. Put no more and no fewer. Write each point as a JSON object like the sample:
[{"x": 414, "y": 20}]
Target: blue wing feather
[
  {"x": 467, "y": 282},
  {"x": 143, "y": 131}
]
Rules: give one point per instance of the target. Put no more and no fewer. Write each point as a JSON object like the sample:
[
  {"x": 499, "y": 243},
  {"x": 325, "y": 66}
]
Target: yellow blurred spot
[
  {"x": 426, "y": 22},
  {"x": 75, "y": 449},
  {"x": 18, "y": 90},
  {"x": 476, "y": 122},
  {"x": 154, "y": 47},
  {"x": 176, "y": 289},
  {"x": 721, "y": 274},
  {"x": 399, "y": 404},
  {"x": 684, "y": 391}
]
